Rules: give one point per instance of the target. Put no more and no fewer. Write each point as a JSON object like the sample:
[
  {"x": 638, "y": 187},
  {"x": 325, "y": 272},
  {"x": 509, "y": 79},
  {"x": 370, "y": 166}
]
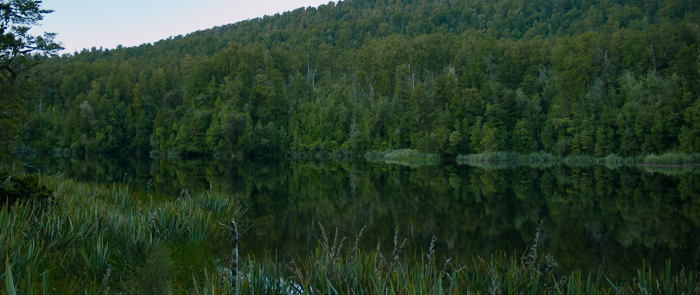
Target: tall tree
[{"x": 16, "y": 45}]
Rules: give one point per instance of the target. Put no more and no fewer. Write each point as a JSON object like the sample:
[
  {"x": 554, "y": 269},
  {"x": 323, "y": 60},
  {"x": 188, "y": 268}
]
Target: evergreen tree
[{"x": 16, "y": 46}]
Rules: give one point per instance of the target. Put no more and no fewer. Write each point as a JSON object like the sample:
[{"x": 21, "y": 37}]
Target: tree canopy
[
  {"x": 449, "y": 77},
  {"x": 16, "y": 45}
]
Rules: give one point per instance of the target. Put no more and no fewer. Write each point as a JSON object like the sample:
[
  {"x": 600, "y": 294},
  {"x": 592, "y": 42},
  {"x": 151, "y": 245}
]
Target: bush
[{"x": 24, "y": 188}]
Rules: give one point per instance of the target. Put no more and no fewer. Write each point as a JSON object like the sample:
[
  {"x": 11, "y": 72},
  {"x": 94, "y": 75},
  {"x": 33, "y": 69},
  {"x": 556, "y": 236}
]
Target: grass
[
  {"x": 401, "y": 154},
  {"x": 94, "y": 238},
  {"x": 505, "y": 160},
  {"x": 406, "y": 157},
  {"x": 338, "y": 267},
  {"x": 322, "y": 155},
  {"x": 672, "y": 158},
  {"x": 672, "y": 170},
  {"x": 99, "y": 239},
  {"x": 413, "y": 163}
]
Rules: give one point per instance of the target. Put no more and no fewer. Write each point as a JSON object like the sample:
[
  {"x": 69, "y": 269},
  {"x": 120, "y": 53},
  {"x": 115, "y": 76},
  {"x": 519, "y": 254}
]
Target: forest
[{"x": 589, "y": 77}]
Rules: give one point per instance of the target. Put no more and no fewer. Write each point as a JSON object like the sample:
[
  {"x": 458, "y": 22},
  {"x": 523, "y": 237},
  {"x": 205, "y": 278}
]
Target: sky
[{"x": 108, "y": 23}]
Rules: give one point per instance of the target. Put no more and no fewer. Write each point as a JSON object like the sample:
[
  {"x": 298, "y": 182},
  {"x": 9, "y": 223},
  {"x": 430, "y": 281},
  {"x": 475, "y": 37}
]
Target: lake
[{"x": 594, "y": 217}]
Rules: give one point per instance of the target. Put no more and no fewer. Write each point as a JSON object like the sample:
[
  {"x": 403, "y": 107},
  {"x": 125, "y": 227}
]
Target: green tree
[
  {"x": 522, "y": 137},
  {"x": 455, "y": 142},
  {"x": 16, "y": 46},
  {"x": 569, "y": 79}
]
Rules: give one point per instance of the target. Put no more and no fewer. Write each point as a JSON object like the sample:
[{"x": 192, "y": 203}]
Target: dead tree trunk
[{"x": 233, "y": 264}]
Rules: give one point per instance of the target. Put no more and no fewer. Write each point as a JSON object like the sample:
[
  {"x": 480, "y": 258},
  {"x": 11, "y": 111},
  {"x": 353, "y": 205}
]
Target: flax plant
[{"x": 95, "y": 238}]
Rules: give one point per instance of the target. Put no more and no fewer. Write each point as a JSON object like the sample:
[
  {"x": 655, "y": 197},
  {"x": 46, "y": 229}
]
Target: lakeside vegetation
[
  {"x": 406, "y": 157},
  {"x": 504, "y": 82},
  {"x": 107, "y": 240},
  {"x": 401, "y": 154},
  {"x": 672, "y": 158},
  {"x": 544, "y": 160},
  {"x": 607, "y": 210},
  {"x": 332, "y": 269},
  {"x": 97, "y": 238}
]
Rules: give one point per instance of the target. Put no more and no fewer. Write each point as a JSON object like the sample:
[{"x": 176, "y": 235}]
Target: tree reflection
[{"x": 593, "y": 216}]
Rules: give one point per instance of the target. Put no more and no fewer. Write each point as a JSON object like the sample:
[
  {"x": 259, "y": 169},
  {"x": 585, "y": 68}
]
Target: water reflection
[{"x": 593, "y": 216}]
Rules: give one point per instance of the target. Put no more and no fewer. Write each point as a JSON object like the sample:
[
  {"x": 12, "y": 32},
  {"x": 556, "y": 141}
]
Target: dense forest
[{"x": 450, "y": 77}]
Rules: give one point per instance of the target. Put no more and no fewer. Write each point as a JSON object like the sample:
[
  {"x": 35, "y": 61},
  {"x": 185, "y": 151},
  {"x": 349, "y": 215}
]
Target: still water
[{"x": 594, "y": 217}]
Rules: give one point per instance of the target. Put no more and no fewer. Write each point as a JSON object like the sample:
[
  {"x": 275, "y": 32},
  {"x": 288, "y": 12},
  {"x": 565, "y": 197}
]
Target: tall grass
[
  {"x": 672, "y": 170},
  {"x": 400, "y": 154},
  {"x": 322, "y": 155},
  {"x": 406, "y": 157},
  {"x": 94, "y": 237},
  {"x": 672, "y": 158},
  {"x": 98, "y": 239},
  {"x": 339, "y": 268},
  {"x": 505, "y": 160}
]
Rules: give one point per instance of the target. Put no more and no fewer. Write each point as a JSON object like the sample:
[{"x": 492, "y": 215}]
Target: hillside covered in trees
[{"x": 450, "y": 77}]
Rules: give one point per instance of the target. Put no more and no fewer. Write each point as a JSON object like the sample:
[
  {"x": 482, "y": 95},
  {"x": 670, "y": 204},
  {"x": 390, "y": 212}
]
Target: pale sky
[{"x": 108, "y": 23}]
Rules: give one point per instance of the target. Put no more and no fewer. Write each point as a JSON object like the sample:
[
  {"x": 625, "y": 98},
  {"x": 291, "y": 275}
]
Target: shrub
[{"x": 24, "y": 188}]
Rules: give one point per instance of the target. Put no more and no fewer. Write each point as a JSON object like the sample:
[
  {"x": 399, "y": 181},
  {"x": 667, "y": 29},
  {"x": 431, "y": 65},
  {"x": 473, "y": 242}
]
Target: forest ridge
[{"x": 447, "y": 77}]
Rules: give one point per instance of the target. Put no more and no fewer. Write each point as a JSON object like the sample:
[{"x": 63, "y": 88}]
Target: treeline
[{"x": 448, "y": 77}]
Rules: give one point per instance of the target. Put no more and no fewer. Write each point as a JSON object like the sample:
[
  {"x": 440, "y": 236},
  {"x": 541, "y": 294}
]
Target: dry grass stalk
[
  {"x": 324, "y": 240},
  {"x": 382, "y": 260},
  {"x": 184, "y": 195},
  {"x": 354, "y": 251},
  {"x": 105, "y": 279},
  {"x": 431, "y": 249},
  {"x": 397, "y": 248},
  {"x": 529, "y": 261},
  {"x": 493, "y": 275}
]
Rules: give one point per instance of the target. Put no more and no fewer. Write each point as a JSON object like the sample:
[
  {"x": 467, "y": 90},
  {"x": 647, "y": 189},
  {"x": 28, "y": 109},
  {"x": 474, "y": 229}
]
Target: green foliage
[
  {"x": 672, "y": 159},
  {"x": 406, "y": 157},
  {"x": 445, "y": 77},
  {"x": 400, "y": 154},
  {"x": 458, "y": 199},
  {"x": 331, "y": 269},
  {"x": 508, "y": 160},
  {"x": 157, "y": 272},
  {"x": 16, "y": 47},
  {"x": 100, "y": 238},
  {"x": 22, "y": 188}
]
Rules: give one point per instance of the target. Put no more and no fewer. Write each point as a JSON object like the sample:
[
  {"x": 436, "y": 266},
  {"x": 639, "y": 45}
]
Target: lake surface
[{"x": 591, "y": 217}]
